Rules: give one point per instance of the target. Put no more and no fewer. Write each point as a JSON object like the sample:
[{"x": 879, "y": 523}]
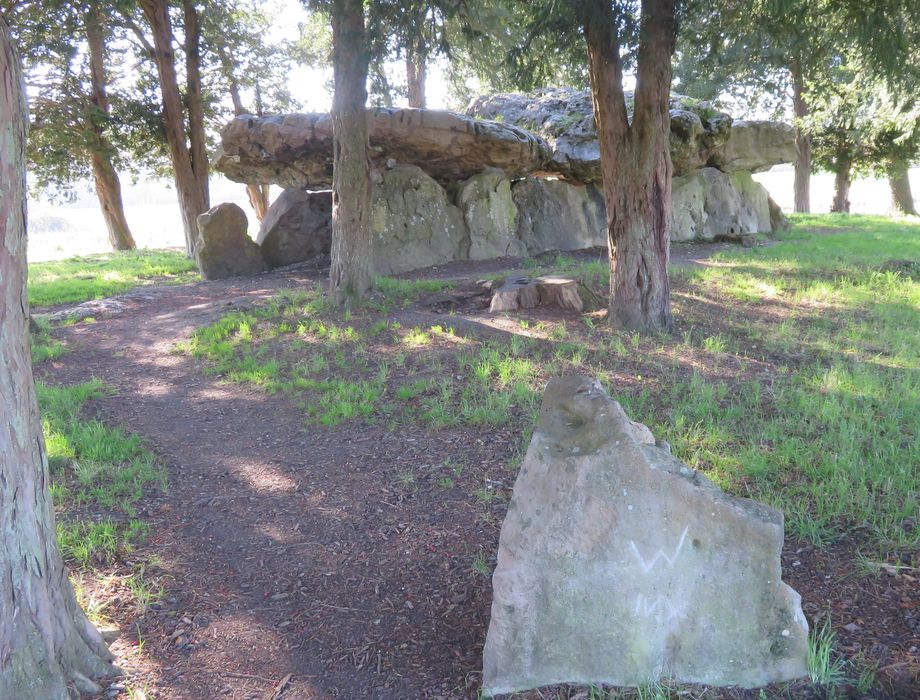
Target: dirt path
[{"x": 285, "y": 546}]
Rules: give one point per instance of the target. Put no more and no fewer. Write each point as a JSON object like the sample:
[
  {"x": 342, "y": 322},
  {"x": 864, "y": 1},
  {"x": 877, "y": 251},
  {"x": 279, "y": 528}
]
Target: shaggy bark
[
  {"x": 635, "y": 161},
  {"x": 902, "y": 199},
  {"x": 48, "y": 649},
  {"x": 843, "y": 166},
  {"x": 416, "y": 73},
  {"x": 802, "y": 185},
  {"x": 108, "y": 185},
  {"x": 351, "y": 272},
  {"x": 193, "y": 200}
]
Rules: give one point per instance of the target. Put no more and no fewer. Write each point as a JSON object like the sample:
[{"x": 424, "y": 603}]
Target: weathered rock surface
[
  {"x": 559, "y": 215},
  {"x": 564, "y": 118},
  {"x": 414, "y": 224},
  {"x": 709, "y": 204},
  {"x": 224, "y": 248},
  {"x": 619, "y": 564},
  {"x": 295, "y": 150},
  {"x": 297, "y": 226},
  {"x": 490, "y": 216},
  {"x": 755, "y": 146}
]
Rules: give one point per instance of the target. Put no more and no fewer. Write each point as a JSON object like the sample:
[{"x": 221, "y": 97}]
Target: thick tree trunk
[
  {"x": 902, "y": 199},
  {"x": 108, "y": 186},
  {"x": 199, "y": 150},
  {"x": 636, "y": 163},
  {"x": 192, "y": 200},
  {"x": 48, "y": 649},
  {"x": 802, "y": 203},
  {"x": 351, "y": 274},
  {"x": 843, "y": 167},
  {"x": 416, "y": 73}
]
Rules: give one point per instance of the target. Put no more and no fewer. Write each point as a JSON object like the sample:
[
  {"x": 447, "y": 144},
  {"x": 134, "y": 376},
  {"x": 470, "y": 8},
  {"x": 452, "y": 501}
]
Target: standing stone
[
  {"x": 710, "y": 204},
  {"x": 297, "y": 227},
  {"x": 413, "y": 224},
  {"x": 224, "y": 248},
  {"x": 559, "y": 215},
  {"x": 490, "y": 215},
  {"x": 618, "y": 564}
]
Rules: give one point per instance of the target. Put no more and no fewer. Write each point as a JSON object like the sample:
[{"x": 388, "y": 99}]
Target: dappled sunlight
[{"x": 262, "y": 477}]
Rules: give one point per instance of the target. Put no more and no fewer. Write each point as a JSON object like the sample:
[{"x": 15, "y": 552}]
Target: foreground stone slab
[{"x": 618, "y": 564}]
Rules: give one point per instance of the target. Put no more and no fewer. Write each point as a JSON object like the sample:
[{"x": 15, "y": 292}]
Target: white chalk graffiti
[
  {"x": 649, "y": 565},
  {"x": 661, "y": 610}
]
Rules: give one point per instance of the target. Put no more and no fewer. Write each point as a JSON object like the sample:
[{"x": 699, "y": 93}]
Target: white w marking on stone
[{"x": 649, "y": 565}]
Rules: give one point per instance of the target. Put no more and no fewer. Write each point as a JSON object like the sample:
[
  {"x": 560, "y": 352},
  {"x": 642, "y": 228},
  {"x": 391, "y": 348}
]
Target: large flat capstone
[
  {"x": 619, "y": 564},
  {"x": 295, "y": 150}
]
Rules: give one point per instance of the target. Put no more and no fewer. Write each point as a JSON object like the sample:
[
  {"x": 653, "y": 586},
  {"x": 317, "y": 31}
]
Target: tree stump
[{"x": 526, "y": 293}]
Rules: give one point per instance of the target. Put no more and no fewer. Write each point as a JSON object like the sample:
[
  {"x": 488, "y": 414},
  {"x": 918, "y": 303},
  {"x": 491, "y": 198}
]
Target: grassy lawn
[
  {"x": 794, "y": 377},
  {"x": 98, "y": 474},
  {"x": 99, "y": 276}
]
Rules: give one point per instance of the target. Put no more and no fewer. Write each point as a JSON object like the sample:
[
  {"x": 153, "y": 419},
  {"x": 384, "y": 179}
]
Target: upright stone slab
[
  {"x": 298, "y": 226},
  {"x": 224, "y": 248},
  {"x": 490, "y": 215},
  {"x": 413, "y": 224},
  {"x": 619, "y": 564}
]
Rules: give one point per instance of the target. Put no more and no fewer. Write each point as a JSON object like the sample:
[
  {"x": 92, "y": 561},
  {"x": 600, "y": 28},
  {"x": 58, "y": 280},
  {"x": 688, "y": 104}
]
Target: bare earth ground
[{"x": 295, "y": 565}]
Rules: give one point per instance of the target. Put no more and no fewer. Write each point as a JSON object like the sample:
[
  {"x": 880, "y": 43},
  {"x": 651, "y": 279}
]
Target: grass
[
  {"x": 824, "y": 666},
  {"x": 44, "y": 347},
  {"x": 98, "y": 276},
  {"x": 98, "y": 474},
  {"x": 832, "y": 438},
  {"x": 794, "y": 377}
]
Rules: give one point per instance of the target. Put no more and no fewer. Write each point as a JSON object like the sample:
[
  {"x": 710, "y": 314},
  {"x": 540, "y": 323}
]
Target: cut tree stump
[{"x": 527, "y": 293}]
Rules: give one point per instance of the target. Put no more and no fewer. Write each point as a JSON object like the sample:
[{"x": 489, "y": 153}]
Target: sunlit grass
[
  {"x": 99, "y": 276},
  {"x": 97, "y": 467}
]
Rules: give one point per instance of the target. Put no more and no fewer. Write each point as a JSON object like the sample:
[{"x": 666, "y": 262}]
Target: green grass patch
[
  {"x": 44, "y": 347},
  {"x": 94, "y": 469},
  {"x": 795, "y": 378},
  {"x": 834, "y": 440},
  {"x": 99, "y": 276}
]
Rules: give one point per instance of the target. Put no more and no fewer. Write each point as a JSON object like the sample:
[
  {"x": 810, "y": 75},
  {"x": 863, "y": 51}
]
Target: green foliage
[
  {"x": 830, "y": 442},
  {"x": 99, "y": 276}
]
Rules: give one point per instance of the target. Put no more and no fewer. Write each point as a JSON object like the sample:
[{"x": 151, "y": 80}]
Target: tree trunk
[
  {"x": 192, "y": 200},
  {"x": 802, "y": 144},
  {"x": 351, "y": 273},
  {"x": 902, "y": 199},
  {"x": 258, "y": 199},
  {"x": 416, "y": 72},
  {"x": 108, "y": 186},
  {"x": 635, "y": 162},
  {"x": 199, "y": 150},
  {"x": 48, "y": 649},
  {"x": 843, "y": 166}
]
